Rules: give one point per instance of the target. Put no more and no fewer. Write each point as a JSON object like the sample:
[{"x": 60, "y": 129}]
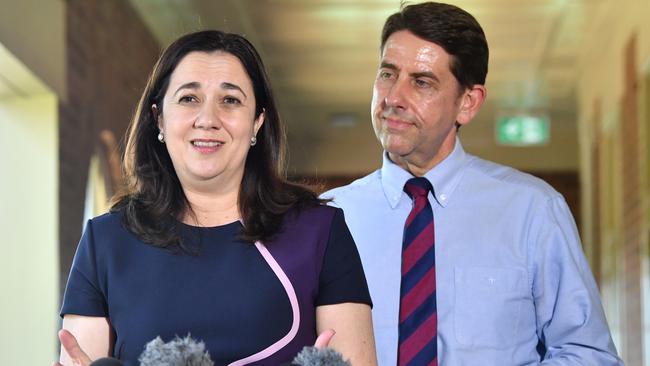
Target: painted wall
[{"x": 29, "y": 266}]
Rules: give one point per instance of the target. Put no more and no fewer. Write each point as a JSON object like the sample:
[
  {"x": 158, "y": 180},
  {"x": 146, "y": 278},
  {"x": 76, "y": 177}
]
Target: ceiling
[
  {"x": 322, "y": 57},
  {"x": 16, "y": 80}
]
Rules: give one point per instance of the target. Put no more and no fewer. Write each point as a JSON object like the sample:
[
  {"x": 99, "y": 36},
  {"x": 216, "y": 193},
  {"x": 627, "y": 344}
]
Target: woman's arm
[
  {"x": 94, "y": 339},
  {"x": 352, "y": 323}
]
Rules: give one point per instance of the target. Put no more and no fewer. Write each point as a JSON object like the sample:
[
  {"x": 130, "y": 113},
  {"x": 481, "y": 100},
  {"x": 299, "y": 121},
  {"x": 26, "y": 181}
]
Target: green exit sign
[{"x": 523, "y": 130}]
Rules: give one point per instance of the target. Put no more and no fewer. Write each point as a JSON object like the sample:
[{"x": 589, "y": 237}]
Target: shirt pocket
[{"x": 488, "y": 304}]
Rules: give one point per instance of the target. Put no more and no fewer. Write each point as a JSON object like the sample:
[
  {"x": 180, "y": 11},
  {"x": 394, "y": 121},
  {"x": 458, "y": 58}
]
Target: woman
[{"x": 209, "y": 238}]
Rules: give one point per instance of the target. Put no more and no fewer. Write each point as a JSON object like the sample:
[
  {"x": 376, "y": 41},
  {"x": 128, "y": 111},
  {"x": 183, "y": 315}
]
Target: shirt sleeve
[
  {"x": 342, "y": 278},
  {"x": 570, "y": 319},
  {"x": 83, "y": 295}
]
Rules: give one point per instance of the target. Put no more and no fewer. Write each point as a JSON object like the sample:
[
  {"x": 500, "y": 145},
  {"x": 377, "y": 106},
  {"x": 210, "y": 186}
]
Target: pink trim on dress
[{"x": 293, "y": 299}]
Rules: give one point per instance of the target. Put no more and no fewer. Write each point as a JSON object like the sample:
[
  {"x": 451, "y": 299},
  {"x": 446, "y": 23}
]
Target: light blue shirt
[{"x": 510, "y": 269}]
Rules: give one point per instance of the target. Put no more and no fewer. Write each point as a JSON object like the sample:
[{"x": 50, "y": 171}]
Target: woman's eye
[
  {"x": 187, "y": 99},
  {"x": 231, "y": 100}
]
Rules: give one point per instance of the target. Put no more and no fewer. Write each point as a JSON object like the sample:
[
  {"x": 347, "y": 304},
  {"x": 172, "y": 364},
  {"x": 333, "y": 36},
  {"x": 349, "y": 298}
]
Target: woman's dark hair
[
  {"x": 451, "y": 28},
  {"x": 154, "y": 201}
]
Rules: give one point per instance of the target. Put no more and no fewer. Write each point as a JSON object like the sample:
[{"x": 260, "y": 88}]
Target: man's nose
[{"x": 396, "y": 95}]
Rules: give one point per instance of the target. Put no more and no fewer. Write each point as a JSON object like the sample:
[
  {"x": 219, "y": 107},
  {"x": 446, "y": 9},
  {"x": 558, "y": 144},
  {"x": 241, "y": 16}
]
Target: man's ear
[{"x": 470, "y": 103}]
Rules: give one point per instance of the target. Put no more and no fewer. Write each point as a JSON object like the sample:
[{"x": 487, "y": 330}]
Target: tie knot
[{"x": 417, "y": 187}]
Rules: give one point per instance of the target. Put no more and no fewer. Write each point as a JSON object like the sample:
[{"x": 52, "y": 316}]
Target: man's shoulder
[
  {"x": 508, "y": 178},
  {"x": 363, "y": 186}
]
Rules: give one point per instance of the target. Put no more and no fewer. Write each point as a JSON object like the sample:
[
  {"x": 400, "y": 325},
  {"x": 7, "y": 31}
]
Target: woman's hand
[
  {"x": 71, "y": 346},
  {"x": 324, "y": 338}
]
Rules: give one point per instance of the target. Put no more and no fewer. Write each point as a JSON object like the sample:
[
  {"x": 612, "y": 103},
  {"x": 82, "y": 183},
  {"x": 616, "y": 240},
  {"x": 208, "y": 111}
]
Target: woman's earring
[
  {"x": 161, "y": 137},
  {"x": 253, "y": 141}
]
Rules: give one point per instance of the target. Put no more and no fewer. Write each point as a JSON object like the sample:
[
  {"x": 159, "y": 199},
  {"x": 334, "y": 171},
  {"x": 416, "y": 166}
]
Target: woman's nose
[{"x": 208, "y": 117}]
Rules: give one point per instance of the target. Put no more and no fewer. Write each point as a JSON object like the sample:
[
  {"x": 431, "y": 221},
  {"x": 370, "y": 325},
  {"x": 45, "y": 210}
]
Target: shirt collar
[{"x": 444, "y": 177}]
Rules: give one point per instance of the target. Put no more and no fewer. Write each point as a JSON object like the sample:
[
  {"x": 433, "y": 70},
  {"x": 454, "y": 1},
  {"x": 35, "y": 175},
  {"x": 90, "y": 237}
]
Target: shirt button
[{"x": 443, "y": 197}]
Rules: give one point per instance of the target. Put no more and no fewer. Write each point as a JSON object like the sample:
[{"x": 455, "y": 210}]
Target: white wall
[{"x": 29, "y": 226}]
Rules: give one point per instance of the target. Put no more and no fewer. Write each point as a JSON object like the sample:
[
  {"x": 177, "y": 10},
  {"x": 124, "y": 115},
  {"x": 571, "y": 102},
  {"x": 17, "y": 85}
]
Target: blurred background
[{"x": 568, "y": 101}]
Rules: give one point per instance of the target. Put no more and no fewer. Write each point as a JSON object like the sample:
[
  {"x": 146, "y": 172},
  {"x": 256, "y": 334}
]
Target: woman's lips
[{"x": 206, "y": 146}]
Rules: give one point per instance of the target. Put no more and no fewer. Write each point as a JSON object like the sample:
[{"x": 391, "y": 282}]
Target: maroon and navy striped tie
[{"x": 418, "y": 319}]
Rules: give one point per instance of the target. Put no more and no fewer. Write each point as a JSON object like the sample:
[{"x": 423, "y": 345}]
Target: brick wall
[
  {"x": 632, "y": 211},
  {"x": 596, "y": 186},
  {"x": 109, "y": 54}
]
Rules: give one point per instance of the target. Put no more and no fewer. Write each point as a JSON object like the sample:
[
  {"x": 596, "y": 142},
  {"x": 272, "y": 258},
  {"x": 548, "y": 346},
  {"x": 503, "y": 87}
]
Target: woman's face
[{"x": 208, "y": 119}]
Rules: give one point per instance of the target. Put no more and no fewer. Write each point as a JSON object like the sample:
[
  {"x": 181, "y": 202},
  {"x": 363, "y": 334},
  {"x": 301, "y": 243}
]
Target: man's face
[{"x": 416, "y": 102}]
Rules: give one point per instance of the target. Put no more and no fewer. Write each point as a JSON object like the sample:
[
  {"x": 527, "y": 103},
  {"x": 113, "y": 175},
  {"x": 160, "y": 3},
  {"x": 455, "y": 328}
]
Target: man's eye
[
  {"x": 421, "y": 83},
  {"x": 385, "y": 75}
]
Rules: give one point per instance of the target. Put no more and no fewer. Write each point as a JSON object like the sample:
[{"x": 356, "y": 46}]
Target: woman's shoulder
[
  {"x": 108, "y": 220},
  {"x": 109, "y": 226},
  {"x": 319, "y": 213},
  {"x": 315, "y": 221}
]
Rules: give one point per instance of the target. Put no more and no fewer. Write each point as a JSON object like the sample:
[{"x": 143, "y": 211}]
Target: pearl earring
[
  {"x": 253, "y": 141},
  {"x": 161, "y": 137}
]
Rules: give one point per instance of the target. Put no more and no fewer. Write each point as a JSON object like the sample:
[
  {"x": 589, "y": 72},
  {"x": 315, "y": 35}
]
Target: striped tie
[{"x": 417, "y": 314}]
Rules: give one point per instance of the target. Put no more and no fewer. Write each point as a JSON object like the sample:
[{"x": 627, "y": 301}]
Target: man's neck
[{"x": 419, "y": 165}]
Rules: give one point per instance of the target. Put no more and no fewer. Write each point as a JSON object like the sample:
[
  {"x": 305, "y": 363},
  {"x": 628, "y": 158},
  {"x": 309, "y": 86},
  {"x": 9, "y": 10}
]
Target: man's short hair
[{"x": 451, "y": 28}]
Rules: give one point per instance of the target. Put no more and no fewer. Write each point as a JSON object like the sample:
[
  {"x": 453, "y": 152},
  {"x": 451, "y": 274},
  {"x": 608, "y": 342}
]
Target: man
[{"x": 498, "y": 277}]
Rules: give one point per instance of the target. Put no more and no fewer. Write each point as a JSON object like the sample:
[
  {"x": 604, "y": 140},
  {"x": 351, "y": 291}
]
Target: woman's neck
[{"x": 211, "y": 208}]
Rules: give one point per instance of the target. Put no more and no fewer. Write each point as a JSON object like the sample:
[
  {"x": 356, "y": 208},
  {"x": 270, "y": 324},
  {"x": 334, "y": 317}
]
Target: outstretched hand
[
  {"x": 71, "y": 347},
  {"x": 324, "y": 338}
]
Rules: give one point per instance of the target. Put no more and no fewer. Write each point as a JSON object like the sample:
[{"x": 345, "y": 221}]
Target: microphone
[
  {"x": 178, "y": 352},
  {"x": 312, "y": 356},
  {"x": 107, "y": 361},
  {"x": 189, "y": 352}
]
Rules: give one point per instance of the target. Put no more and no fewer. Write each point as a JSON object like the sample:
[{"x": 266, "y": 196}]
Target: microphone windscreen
[
  {"x": 107, "y": 361},
  {"x": 312, "y": 356},
  {"x": 178, "y": 352}
]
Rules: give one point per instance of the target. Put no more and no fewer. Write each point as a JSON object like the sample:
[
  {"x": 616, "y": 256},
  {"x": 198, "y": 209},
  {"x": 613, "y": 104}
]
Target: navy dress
[{"x": 250, "y": 303}]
